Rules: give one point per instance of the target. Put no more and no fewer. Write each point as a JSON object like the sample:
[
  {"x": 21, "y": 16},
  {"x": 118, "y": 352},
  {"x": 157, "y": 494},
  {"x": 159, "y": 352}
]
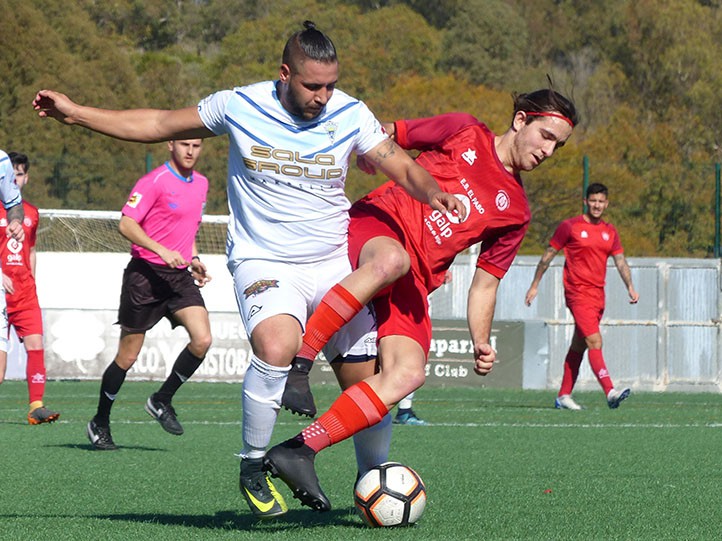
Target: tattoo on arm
[
  {"x": 387, "y": 150},
  {"x": 15, "y": 213},
  {"x": 623, "y": 269}
]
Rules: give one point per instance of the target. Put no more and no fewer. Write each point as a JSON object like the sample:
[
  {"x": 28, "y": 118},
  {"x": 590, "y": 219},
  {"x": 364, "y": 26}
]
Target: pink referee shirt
[{"x": 169, "y": 208}]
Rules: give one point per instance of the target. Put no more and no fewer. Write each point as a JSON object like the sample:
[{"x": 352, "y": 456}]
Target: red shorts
[
  {"x": 402, "y": 308},
  {"x": 587, "y": 310},
  {"x": 24, "y": 313}
]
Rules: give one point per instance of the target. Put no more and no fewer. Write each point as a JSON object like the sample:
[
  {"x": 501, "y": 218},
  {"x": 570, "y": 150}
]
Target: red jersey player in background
[
  {"x": 401, "y": 250},
  {"x": 588, "y": 241},
  {"x": 23, "y": 309}
]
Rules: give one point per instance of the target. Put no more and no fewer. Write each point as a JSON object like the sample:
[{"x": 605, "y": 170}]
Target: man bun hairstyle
[{"x": 309, "y": 43}]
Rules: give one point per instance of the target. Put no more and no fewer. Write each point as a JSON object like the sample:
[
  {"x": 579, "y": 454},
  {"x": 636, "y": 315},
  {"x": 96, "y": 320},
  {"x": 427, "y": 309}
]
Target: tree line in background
[{"x": 644, "y": 74}]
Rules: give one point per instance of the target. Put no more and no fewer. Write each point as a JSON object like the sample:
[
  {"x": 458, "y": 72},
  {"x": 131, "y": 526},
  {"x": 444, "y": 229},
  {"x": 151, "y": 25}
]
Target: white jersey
[
  {"x": 9, "y": 191},
  {"x": 10, "y": 196},
  {"x": 286, "y": 176}
]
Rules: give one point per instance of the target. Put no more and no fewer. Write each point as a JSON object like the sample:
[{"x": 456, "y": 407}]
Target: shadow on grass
[
  {"x": 89, "y": 447},
  {"x": 233, "y": 520}
]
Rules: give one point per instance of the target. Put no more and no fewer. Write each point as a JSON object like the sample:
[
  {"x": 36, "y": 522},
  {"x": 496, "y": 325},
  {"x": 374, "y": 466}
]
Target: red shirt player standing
[
  {"x": 23, "y": 309},
  {"x": 588, "y": 241}
]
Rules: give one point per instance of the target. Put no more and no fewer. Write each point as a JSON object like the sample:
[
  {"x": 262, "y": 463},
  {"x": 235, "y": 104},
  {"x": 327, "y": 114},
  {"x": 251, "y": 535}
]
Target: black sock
[
  {"x": 110, "y": 385},
  {"x": 184, "y": 367}
]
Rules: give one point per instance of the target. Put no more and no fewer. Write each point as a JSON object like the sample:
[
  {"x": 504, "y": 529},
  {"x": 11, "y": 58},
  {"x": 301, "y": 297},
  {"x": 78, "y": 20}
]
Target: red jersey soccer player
[
  {"x": 23, "y": 309},
  {"x": 588, "y": 241},
  {"x": 401, "y": 251}
]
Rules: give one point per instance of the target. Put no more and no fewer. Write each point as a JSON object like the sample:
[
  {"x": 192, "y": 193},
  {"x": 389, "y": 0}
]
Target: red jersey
[
  {"x": 15, "y": 256},
  {"x": 586, "y": 247},
  {"x": 459, "y": 152}
]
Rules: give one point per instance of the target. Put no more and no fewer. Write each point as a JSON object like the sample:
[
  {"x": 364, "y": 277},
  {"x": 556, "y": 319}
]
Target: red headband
[{"x": 555, "y": 115}]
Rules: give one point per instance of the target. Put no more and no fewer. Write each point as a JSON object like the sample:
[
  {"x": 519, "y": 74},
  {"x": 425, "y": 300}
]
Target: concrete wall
[{"x": 670, "y": 340}]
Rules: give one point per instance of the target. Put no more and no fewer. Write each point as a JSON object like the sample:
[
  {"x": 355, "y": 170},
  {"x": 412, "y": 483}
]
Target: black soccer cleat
[
  {"x": 100, "y": 437},
  {"x": 262, "y": 497},
  {"x": 292, "y": 462},
  {"x": 164, "y": 414},
  {"x": 297, "y": 396}
]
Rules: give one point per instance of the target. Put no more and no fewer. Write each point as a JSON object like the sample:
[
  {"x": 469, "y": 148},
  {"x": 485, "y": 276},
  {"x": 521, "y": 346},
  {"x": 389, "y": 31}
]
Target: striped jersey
[{"x": 286, "y": 176}]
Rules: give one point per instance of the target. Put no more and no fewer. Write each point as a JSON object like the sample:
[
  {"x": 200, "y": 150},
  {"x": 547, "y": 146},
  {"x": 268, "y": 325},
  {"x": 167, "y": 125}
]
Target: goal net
[{"x": 97, "y": 231}]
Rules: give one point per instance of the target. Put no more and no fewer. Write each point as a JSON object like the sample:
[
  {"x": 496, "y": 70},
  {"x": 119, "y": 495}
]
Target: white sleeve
[
  {"x": 212, "y": 110},
  {"x": 371, "y": 133},
  {"x": 9, "y": 191}
]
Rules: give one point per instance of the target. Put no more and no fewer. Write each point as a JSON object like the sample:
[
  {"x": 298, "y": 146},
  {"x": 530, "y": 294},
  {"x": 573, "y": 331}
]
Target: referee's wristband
[{"x": 195, "y": 257}]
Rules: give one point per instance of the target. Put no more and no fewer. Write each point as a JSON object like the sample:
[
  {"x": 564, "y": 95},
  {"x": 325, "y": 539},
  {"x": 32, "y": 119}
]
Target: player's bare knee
[
  {"x": 394, "y": 264},
  {"x": 126, "y": 362},
  {"x": 200, "y": 345},
  {"x": 275, "y": 352}
]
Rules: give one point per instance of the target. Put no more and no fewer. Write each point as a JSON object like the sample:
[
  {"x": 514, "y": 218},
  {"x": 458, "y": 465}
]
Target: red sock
[
  {"x": 596, "y": 361},
  {"x": 357, "y": 408},
  {"x": 571, "y": 370},
  {"x": 35, "y": 373},
  {"x": 337, "y": 308}
]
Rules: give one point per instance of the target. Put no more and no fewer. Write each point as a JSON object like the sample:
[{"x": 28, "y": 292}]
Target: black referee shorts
[{"x": 151, "y": 292}]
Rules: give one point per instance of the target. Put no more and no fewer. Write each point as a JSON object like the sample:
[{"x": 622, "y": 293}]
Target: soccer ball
[{"x": 390, "y": 494}]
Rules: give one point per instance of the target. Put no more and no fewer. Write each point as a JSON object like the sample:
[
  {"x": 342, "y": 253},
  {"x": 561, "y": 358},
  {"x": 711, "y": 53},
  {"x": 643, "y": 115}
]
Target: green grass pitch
[{"x": 497, "y": 464}]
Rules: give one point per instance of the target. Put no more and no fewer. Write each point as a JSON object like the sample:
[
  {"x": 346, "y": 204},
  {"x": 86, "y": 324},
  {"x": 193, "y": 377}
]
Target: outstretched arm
[
  {"x": 480, "y": 314},
  {"x": 541, "y": 268},
  {"x": 621, "y": 263},
  {"x": 139, "y": 125}
]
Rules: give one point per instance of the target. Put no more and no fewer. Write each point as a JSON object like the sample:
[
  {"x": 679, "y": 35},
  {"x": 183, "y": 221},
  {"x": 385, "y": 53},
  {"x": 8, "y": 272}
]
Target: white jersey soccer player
[{"x": 288, "y": 216}]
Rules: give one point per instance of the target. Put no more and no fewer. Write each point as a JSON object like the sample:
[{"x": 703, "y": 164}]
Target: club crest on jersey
[
  {"x": 605, "y": 236},
  {"x": 3, "y": 222},
  {"x": 258, "y": 287},
  {"x": 331, "y": 128},
  {"x": 134, "y": 199},
  {"x": 502, "y": 200}
]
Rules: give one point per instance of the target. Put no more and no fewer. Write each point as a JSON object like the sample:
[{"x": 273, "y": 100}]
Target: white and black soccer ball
[{"x": 390, "y": 494}]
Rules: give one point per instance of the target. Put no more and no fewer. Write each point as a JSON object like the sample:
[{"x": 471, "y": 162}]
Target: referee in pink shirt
[{"x": 160, "y": 219}]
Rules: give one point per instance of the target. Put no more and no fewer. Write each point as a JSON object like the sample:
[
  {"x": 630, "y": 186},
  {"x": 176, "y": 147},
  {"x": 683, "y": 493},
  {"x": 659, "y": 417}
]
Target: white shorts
[{"x": 269, "y": 288}]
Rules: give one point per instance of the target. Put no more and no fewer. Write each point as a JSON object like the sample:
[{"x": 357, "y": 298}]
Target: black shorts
[{"x": 150, "y": 292}]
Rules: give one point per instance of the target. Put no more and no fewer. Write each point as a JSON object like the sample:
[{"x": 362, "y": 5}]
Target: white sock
[
  {"x": 405, "y": 403},
  {"x": 263, "y": 387},
  {"x": 372, "y": 445}
]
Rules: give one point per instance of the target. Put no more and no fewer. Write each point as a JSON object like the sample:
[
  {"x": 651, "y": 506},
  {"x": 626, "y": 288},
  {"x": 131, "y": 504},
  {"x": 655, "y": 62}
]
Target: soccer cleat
[
  {"x": 164, "y": 414},
  {"x": 614, "y": 398},
  {"x": 258, "y": 490},
  {"x": 292, "y": 461},
  {"x": 408, "y": 417},
  {"x": 42, "y": 415},
  {"x": 566, "y": 402},
  {"x": 100, "y": 437},
  {"x": 297, "y": 396}
]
